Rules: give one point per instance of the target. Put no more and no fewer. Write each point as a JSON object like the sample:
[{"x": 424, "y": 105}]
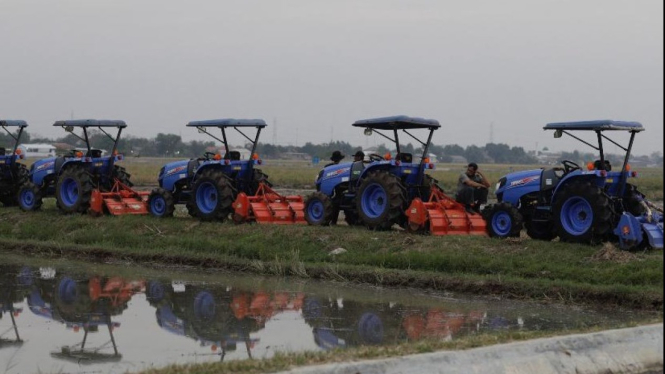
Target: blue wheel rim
[
  {"x": 206, "y": 197},
  {"x": 315, "y": 210},
  {"x": 204, "y": 305},
  {"x": 158, "y": 205},
  {"x": 374, "y": 200},
  {"x": 576, "y": 216},
  {"x": 370, "y": 328},
  {"x": 69, "y": 192},
  {"x": 502, "y": 223},
  {"x": 27, "y": 198},
  {"x": 67, "y": 290}
]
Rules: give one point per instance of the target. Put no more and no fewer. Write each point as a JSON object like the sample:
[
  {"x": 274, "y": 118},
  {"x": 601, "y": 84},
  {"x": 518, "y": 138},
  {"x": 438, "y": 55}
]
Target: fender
[{"x": 594, "y": 176}]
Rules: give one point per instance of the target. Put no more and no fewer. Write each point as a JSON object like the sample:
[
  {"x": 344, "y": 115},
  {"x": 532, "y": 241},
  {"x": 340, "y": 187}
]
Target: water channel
[{"x": 64, "y": 317}]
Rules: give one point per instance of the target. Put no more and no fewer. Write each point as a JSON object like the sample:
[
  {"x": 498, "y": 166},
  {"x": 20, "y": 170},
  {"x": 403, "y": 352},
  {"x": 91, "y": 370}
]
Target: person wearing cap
[
  {"x": 336, "y": 157},
  {"x": 359, "y": 156}
]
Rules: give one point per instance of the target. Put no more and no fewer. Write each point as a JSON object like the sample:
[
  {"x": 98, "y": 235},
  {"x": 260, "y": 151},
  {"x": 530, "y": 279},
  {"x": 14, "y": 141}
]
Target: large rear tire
[
  {"x": 29, "y": 197},
  {"x": 122, "y": 175},
  {"x": 161, "y": 203},
  {"x": 381, "y": 200},
  {"x": 582, "y": 214},
  {"x": 503, "y": 220},
  {"x": 212, "y": 196},
  {"x": 319, "y": 210},
  {"x": 73, "y": 190}
]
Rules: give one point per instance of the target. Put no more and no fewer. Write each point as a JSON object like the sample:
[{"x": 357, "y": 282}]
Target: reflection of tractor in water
[
  {"x": 15, "y": 283},
  {"x": 86, "y": 304},
  {"x": 346, "y": 323},
  {"x": 215, "y": 316}
]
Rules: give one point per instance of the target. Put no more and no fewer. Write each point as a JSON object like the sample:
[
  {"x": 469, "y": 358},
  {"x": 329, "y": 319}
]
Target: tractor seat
[
  {"x": 405, "y": 157},
  {"x": 94, "y": 153},
  {"x": 2, "y": 151},
  {"x": 232, "y": 155},
  {"x": 597, "y": 165}
]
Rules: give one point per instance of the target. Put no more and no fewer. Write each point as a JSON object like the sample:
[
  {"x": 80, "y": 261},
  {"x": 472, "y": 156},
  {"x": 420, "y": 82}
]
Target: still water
[{"x": 64, "y": 317}]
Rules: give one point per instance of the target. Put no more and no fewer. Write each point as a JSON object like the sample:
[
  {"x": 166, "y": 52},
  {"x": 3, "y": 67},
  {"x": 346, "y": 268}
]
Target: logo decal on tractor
[
  {"x": 175, "y": 170},
  {"x": 44, "y": 166},
  {"x": 522, "y": 181},
  {"x": 337, "y": 172}
]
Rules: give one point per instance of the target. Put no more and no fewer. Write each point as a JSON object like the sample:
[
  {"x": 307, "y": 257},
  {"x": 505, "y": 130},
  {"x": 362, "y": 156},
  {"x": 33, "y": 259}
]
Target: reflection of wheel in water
[
  {"x": 204, "y": 305},
  {"x": 370, "y": 328},
  {"x": 155, "y": 291},
  {"x": 311, "y": 308},
  {"x": 67, "y": 290}
]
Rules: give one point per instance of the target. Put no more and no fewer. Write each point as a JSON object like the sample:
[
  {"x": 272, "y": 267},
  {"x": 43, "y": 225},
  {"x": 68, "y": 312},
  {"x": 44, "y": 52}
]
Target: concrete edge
[{"x": 630, "y": 350}]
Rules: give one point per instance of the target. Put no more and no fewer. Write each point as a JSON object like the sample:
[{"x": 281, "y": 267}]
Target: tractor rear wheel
[
  {"x": 73, "y": 190},
  {"x": 381, "y": 200},
  {"x": 319, "y": 210},
  {"x": 503, "y": 220},
  {"x": 29, "y": 197},
  {"x": 582, "y": 214},
  {"x": 212, "y": 196},
  {"x": 122, "y": 175},
  {"x": 257, "y": 177},
  {"x": 161, "y": 203}
]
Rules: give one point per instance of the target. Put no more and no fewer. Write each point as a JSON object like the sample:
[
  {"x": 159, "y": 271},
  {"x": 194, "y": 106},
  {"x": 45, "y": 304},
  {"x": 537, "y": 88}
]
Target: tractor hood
[
  {"x": 515, "y": 185},
  {"x": 523, "y": 178},
  {"x": 173, "y": 168},
  {"x": 42, "y": 164}
]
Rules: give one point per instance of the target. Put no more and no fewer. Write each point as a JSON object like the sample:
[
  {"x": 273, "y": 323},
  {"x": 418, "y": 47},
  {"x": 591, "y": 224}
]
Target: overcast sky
[{"x": 485, "y": 69}]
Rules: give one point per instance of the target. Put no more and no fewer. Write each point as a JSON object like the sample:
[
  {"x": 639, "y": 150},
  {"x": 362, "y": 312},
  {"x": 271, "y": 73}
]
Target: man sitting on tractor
[{"x": 472, "y": 188}]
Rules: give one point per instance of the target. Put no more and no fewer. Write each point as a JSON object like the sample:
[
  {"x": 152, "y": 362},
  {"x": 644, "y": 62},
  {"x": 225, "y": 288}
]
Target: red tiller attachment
[
  {"x": 122, "y": 199},
  {"x": 443, "y": 215},
  {"x": 267, "y": 206}
]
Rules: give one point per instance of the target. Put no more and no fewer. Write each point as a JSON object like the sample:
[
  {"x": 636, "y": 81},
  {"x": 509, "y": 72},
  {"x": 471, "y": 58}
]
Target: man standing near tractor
[{"x": 472, "y": 188}]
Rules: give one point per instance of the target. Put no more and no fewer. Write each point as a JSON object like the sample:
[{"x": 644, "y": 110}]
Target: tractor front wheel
[
  {"x": 29, "y": 197},
  {"x": 73, "y": 190},
  {"x": 582, "y": 214},
  {"x": 212, "y": 196},
  {"x": 503, "y": 220},
  {"x": 160, "y": 203},
  {"x": 381, "y": 201},
  {"x": 319, "y": 210}
]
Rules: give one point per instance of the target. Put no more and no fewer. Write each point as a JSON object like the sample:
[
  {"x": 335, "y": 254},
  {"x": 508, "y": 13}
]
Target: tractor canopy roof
[
  {"x": 91, "y": 123},
  {"x": 13, "y": 123},
  {"x": 597, "y": 125},
  {"x": 398, "y": 123},
  {"x": 229, "y": 122}
]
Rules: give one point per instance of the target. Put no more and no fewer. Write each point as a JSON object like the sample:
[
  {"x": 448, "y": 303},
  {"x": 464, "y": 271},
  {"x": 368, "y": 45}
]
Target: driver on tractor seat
[
  {"x": 359, "y": 156},
  {"x": 336, "y": 157}
]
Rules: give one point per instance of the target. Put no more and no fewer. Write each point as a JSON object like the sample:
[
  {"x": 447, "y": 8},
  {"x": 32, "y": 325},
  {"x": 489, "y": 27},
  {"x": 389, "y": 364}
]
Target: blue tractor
[
  {"x": 12, "y": 173},
  {"x": 577, "y": 205},
  {"x": 208, "y": 185},
  {"x": 72, "y": 177},
  {"x": 374, "y": 193}
]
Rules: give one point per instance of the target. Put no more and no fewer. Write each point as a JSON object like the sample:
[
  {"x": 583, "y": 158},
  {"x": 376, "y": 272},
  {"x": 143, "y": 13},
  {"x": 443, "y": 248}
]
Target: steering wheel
[
  {"x": 209, "y": 155},
  {"x": 569, "y": 166},
  {"x": 375, "y": 157}
]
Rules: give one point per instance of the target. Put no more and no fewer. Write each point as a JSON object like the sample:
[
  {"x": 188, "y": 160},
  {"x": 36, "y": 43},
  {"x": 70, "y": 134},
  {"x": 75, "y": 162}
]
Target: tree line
[{"x": 172, "y": 145}]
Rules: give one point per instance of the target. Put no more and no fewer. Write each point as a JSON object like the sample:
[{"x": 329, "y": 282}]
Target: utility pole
[
  {"x": 492, "y": 132},
  {"x": 274, "y": 131}
]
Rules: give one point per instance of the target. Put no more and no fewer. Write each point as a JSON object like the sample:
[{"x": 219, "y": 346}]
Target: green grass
[{"x": 521, "y": 268}]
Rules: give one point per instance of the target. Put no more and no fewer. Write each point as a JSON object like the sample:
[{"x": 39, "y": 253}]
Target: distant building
[{"x": 37, "y": 150}]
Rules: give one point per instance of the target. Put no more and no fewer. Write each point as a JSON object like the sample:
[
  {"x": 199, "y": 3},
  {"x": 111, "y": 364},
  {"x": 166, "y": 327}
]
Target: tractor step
[
  {"x": 267, "y": 206},
  {"x": 121, "y": 200},
  {"x": 442, "y": 215}
]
